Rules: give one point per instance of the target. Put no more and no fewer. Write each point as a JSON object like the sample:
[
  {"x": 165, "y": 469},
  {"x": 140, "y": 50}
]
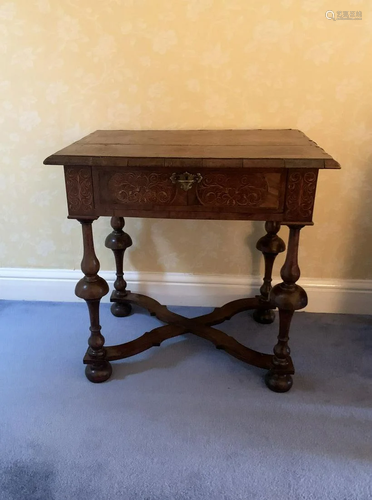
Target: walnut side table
[{"x": 267, "y": 175}]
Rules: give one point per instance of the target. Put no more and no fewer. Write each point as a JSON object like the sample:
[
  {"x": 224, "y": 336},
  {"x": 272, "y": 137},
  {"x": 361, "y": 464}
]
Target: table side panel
[
  {"x": 300, "y": 194},
  {"x": 79, "y": 190}
]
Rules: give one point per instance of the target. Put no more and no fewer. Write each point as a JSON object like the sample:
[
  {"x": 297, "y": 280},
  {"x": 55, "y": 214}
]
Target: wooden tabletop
[{"x": 284, "y": 148}]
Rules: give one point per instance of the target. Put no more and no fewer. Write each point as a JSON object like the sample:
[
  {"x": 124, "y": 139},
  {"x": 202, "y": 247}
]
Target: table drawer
[
  {"x": 197, "y": 190},
  {"x": 238, "y": 191}
]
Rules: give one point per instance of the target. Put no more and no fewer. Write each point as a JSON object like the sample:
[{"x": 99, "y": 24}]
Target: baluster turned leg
[
  {"x": 270, "y": 245},
  {"x": 92, "y": 288},
  {"x": 288, "y": 297},
  {"x": 119, "y": 241}
]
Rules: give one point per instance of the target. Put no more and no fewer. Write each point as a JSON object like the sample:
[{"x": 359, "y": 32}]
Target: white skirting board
[{"x": 325, "y": 295}]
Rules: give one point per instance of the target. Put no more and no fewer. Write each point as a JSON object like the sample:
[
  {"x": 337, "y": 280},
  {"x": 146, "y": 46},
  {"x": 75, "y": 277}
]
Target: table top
[{"x": 257, "y": 148}]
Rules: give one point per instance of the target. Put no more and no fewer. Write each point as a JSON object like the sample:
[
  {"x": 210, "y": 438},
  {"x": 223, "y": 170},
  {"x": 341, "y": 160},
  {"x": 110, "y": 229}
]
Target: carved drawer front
[
  {"x": 199, "y": 189},
  {"x": 239, "y": 190},
  {"x": 189, "y": 192},
  {"x": 137, "y": 188}
]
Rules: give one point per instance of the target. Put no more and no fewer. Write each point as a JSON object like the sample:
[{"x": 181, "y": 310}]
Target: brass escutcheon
[{"x": 186, "y": 180}]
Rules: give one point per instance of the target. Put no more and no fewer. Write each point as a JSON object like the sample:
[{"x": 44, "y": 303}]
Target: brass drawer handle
[{"x": 186, "y": 180}]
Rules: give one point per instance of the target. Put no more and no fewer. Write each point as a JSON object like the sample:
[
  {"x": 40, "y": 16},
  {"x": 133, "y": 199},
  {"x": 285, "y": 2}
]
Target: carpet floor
[{"x": 183, "y": 421}]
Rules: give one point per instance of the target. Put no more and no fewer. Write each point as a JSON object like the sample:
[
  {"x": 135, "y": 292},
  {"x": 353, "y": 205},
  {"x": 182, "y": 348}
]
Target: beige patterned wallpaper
[{"x": 69, "y": 68}]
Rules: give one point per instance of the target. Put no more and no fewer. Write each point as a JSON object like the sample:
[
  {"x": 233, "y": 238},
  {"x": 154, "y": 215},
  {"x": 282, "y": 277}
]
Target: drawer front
[
  {"x": 238, "y": 191},
  {"x": 196, "y": 190},
  {"x": 137, "y": 188}
]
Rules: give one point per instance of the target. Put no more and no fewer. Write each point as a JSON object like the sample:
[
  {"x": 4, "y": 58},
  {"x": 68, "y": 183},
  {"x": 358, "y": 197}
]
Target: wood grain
[{"x": 262, "y": 145}]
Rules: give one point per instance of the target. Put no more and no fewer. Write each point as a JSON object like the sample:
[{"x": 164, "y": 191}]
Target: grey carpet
[{"x": 183, "y": 421}]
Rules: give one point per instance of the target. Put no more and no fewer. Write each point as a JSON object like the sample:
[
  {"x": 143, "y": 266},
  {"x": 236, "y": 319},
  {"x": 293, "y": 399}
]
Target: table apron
[{"x": 219, "y": 194}]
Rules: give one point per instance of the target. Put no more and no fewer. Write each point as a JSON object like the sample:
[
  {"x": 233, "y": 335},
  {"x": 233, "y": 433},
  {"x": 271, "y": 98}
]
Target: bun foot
[
  {"x": 264, "y": 316},
  {"x": 121, "y": 309},
  {"x": 98, "y": 373},
  {"x": 277, "y": 382}
]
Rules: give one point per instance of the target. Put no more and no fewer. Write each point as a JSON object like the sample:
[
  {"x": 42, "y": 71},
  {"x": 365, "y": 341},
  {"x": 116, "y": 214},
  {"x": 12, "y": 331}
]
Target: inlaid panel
[
  {"x": 252, "y": 190},
  {"x": 79, "y": 187},
  {"x": 204, "y": 190},
  {"x": 300, "y": 194},
  {"x": 141, "y": 188}
]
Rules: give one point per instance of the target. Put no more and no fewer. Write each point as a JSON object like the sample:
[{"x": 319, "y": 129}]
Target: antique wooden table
[{"x": 267, "y": 175}]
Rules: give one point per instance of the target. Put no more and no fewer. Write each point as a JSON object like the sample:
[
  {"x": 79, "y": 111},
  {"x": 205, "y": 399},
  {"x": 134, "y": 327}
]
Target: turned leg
[
  {"x": 288, "y": 297},
  {"x": 270, "y": 245},
  {"x": 119, "y": 241},
  {"x": 92, "y": 288}
]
